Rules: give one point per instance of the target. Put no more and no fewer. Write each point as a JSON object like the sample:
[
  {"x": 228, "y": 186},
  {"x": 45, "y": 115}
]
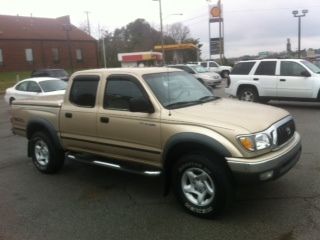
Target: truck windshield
[{"x": 178, "y": 89}]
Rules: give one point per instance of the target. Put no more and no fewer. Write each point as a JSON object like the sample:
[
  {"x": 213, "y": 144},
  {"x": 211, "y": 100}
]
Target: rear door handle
[
  {"x": 256, "y": 79},
  {"x": 104, "y": 119},
  {"x": 282, "y": 80},
  {"x": 68, "y": 115}
]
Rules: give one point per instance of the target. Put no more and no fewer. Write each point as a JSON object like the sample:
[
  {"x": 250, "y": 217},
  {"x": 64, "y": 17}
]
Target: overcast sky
[{"x": 251, "y": 26}]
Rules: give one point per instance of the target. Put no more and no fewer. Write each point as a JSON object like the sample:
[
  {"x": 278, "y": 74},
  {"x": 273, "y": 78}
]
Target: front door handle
[
  {"x": 68, "y": 115},
  {"x": 256, "y": 79},
  {"x": 104, "y": 119},
  {"x": 282, "y": 80}
]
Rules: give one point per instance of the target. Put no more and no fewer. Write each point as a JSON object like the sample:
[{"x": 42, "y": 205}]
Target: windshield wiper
[
  {"x": 189, "y": 103},
  {"x": 207, "y": 99},
  {"x": 181, "y": 104}
]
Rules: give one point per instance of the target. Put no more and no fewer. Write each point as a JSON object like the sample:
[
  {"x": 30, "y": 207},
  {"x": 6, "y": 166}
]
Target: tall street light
[
  {"x": 161, "y": 29},
  {"x": 299, "y": 16}
]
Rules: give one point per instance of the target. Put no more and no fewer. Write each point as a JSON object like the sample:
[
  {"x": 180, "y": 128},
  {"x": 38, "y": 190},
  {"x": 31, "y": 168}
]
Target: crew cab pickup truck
[{"x": 160, "y": 121}]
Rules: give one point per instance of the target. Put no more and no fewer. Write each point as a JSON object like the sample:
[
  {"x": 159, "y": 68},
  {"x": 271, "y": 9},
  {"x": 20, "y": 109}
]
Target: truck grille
[{"x": 285, "y": 132}]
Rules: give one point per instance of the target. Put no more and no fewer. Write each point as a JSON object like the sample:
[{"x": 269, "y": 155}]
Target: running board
[{"x": 131, "y": 168}]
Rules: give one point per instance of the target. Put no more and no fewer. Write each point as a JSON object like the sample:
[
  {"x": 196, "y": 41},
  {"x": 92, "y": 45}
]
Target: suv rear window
[
  {"x": 266, "y": 68},
  {"x": 242, "y": 68}
]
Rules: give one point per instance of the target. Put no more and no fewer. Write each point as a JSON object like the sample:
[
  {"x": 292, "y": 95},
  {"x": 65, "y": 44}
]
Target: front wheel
[
  {"x": 202, "y": 185},
  {"x": 47, "y": 157}
]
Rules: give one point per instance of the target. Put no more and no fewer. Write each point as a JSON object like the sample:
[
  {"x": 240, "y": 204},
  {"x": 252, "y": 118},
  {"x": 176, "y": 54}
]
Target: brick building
[{"x": 28, "y": 43}]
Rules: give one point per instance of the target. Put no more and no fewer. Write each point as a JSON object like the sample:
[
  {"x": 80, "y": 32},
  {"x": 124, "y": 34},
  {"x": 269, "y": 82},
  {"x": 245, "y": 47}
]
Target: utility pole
[
  {"x": 161, "y": 31},
  {"x": 88, "y": 22},
  {"x": 299, "y": 16},
  {"x": 67, "y": 28}
]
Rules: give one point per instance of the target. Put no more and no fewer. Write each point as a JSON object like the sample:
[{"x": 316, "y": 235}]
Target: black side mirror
[
  {"x": 305, "y": 73},
  {"x": 140, "y": 105}
]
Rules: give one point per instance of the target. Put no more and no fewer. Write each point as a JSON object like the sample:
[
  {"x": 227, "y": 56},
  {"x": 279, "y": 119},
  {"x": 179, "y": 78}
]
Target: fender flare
[
  {"x": 35, "y": 125},
  {"x": 188, "y": 137}
]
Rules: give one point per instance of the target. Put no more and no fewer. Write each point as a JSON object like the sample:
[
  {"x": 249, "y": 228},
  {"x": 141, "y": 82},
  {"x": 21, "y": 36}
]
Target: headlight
[{"x": 255, "y": 142}]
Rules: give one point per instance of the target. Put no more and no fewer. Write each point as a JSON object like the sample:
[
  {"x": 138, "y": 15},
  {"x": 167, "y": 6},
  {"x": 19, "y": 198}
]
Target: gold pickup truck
[{"x": 160, "y": 121}]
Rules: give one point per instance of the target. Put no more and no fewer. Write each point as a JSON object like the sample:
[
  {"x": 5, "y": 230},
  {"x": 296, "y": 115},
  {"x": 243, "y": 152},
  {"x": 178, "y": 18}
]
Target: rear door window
[
  {"x": 22, "y": 86},
  {"x": 266, "y": 68},
  {"x": 242, "y": 68},
  {"x": 33, "y": 87},
  {"x": 84, "y": 91}
]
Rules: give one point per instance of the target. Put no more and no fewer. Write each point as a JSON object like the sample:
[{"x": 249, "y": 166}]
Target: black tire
[
  {"x": 225, "y": 74},
  {"x": 47, "y": 157},
  {"x": 11, "y": 100},
  {"x": 213, "y": 174},
  {"x": 248, "y": 94}
]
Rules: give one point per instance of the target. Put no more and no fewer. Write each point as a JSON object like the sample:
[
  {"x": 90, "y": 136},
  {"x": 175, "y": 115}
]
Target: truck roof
[{"x": 136, "y": 70}]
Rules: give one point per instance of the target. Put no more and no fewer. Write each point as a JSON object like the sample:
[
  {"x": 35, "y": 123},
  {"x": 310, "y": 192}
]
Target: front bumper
[{"x": 269, "y": 166}]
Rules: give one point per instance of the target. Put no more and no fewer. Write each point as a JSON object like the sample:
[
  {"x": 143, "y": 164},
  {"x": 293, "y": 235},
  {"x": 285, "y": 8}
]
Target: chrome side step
[{"x": 95, "y": 160}]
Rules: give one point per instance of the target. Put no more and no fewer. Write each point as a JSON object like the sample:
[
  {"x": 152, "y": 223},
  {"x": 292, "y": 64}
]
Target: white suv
[{"x": 280, "y": 79}]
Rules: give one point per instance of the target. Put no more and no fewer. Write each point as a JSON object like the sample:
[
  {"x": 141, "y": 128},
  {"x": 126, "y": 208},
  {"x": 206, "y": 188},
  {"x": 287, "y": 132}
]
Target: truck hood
[{"x": 231, "y": 114}]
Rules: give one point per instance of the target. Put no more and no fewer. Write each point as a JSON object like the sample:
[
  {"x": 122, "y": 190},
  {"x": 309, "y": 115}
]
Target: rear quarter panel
[{"x": 24, "y": 113}]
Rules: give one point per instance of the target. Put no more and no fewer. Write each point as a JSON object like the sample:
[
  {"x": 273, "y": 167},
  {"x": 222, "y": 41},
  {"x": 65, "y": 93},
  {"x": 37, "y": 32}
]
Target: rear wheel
[
  {"x": 45, "y": 155},
  {"x": 248, "y": 94},
  {"x": 202, "y": 186}
]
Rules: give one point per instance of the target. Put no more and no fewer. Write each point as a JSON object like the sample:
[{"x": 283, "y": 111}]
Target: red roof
[{"x": 17, "y": 27}]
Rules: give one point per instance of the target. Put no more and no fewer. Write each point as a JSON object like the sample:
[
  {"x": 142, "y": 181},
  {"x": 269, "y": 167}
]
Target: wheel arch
[
  {"x": 243, "y": 85},
  {"x": 42, "y": 125},
  {"x": 183, "y": 143}
]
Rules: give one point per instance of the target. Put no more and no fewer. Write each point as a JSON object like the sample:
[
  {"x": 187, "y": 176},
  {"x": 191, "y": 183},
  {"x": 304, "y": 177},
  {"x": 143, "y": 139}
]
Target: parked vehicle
[
  {"x": 48, "y": 72},
  {"x": 203, "y": 75},
  {"x": 35, "y": 87},
  {"x": 280, "y": 79},
  {"x": 156, "y": 121},
  {"x": 213, "y": 66}
]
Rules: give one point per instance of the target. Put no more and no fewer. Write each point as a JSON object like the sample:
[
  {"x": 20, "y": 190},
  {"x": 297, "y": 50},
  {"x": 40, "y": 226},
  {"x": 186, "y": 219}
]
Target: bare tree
[
  {"x": 84, "y": 27},
  {"x": 178, "y": 32}
]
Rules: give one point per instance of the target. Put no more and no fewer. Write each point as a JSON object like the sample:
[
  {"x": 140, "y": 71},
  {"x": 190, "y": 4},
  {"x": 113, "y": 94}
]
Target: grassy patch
[{"x": 8, "y": 79}]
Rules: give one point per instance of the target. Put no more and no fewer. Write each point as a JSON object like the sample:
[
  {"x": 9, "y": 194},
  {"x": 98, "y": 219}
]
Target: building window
[
  {"x": 1, "y": 57},
  {"x": 55, "y": 55},
  {"x": 79, "y": 56},
  {"x": 29, "y": 55}
]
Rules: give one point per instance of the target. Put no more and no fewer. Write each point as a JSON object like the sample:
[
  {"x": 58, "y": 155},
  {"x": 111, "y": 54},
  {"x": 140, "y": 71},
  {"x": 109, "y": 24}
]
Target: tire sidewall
[
  {"x": 56, "y": 158},
  {"x": 249, "y": 89},
  {"x": 215, "y": 172}
]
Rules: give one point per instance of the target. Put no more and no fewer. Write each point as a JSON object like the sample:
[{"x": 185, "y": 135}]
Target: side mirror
[
  {"x": 305, "y": 73},
  {"x": 140, "y": 105}
]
